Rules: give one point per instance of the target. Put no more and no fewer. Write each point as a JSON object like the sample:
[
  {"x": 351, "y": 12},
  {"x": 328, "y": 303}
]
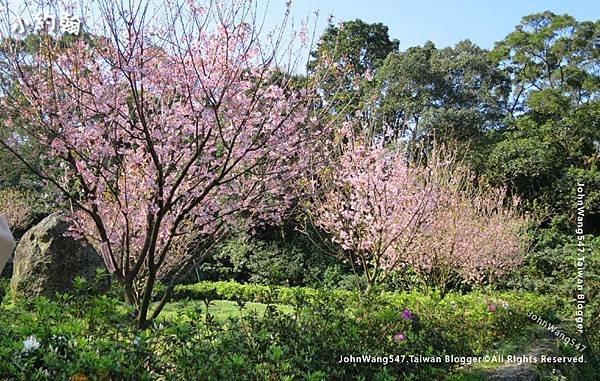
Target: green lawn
[{"x": 220, "y": 309}]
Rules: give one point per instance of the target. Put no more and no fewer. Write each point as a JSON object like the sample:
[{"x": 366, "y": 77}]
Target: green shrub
[
  {"x": 92, "y": 336},
  {"x": 274, "y": 257},
  {"x": 229, "y": 290}
]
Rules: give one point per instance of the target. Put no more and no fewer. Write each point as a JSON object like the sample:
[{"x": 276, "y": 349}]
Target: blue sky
[
  {"x": 443, "y": 22},
  {"x": 415, "y": 22}
]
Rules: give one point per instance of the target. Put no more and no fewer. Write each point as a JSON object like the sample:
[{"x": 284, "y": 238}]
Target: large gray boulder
[{"x": 46, "y": 262}]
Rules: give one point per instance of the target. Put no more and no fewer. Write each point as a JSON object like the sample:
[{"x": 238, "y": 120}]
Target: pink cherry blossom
[
  {"x": 386, "y": 215},
  {"x": 167, "y": 137}
]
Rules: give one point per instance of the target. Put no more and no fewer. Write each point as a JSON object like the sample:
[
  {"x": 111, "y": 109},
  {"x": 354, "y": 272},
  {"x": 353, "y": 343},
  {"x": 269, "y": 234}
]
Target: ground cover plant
[{"x": 86, "y": 336}]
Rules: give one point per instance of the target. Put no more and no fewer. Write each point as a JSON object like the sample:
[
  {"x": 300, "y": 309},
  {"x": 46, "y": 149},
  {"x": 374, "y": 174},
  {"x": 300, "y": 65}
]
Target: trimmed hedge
[
  {"x": 520, "y": 303},
  {"x": 254, "y": 293}
]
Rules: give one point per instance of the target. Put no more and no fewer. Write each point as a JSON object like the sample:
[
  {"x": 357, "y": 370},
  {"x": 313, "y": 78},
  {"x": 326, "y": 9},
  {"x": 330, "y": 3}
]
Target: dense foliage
[{"x": 83, "y": 336}]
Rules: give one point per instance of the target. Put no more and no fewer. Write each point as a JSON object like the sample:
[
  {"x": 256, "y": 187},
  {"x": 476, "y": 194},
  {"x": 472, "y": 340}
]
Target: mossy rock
[{"x": 46, "y": 261}]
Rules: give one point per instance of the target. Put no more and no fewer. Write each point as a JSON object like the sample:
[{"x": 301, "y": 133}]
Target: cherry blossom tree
[
  {"x": 388, "y": 216},
  {"x": 374, "y": 206},
  {"x": 163, "y": 131},
  {"x": 474, "y": 234}
]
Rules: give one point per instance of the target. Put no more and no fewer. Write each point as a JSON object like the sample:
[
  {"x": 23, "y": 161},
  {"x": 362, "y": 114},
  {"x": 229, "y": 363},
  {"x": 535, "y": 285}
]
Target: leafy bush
[
  {"x": 468, "y": 316},
  {"x": 551, "y": 270},
  {"x": 229, "y": 290},
  {"x": 275, "y": 257},
  {"x": 85, "y": 337},
  {"x": 255, "y": 261}
]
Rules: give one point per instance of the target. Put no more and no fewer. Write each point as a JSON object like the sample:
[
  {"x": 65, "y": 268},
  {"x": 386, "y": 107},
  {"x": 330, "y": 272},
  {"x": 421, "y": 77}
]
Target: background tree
[
  {"x": 553, "y": 132},
  {"x": 549, "y": 51},
  {"x": 453, "y": 95},
  {"x": 346, "y": 54}
]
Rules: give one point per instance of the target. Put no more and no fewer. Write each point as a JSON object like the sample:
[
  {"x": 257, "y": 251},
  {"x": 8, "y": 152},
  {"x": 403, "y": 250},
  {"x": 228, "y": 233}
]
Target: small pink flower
[
  {"x": 491, "y": 307},
  {"x": 399, "y": 337},
  {"x": 406, "y": 315}
]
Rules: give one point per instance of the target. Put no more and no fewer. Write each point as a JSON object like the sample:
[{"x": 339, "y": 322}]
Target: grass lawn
[{"x": 220, "y": 309}]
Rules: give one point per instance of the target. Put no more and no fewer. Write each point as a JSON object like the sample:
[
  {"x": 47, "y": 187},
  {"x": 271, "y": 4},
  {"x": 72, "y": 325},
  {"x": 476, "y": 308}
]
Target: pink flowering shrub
[
  {"x": 387, "y": 215},
  {"x": 374, "y": 207},
  {"x": 474, "y": 234}
]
